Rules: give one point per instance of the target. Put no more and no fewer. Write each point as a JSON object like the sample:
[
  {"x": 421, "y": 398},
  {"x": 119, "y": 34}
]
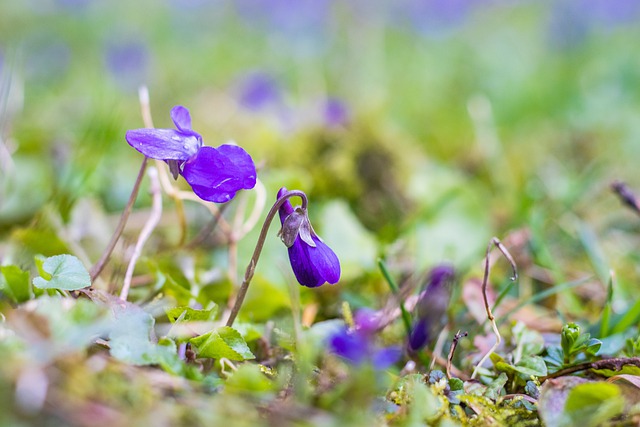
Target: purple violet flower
[
  {"x": 215, "y": 174},
  {"x": 312, "y": 261},
  {"x": 432, "y": 306},
  {"x": 358, "y": 346}
]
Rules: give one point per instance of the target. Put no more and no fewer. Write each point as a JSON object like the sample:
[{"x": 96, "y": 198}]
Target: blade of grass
[
  {"x": 503, "y": 293},
  {"x": 596, "y": 256},
  {"x": 606, "y": 312},
  {"x": 630, "y": 318}
]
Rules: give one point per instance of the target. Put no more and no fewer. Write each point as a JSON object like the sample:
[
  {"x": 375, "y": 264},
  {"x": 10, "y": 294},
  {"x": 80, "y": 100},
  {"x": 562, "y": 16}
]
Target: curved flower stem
[
  {"x": 99, "y": 266},
  {"x": 248, "y": 275},
  {"x": 143, "y": 96},
  {"x": 498, "y": 244},
  {"x": 154, "y": 218}
]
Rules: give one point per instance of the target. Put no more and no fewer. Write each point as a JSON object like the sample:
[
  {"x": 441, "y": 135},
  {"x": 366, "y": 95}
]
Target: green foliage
[
  {"x": 574, "y": 343},
  {"x": 592, "y": 404},
  {"x": 222, "y": 342},
  {"x": 64, "y": 272},
  {"x": 188, "y": 314},
  {"x": 15, "y": 283}
]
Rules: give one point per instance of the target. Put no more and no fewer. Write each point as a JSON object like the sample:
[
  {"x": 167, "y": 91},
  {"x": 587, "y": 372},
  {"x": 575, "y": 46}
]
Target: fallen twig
[
  {"x": 614, "y": 364},
  {"x": 456, "y": 338}
]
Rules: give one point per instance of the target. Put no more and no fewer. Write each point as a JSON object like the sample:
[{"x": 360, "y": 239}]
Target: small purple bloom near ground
[{"x": 358, "y": 346}]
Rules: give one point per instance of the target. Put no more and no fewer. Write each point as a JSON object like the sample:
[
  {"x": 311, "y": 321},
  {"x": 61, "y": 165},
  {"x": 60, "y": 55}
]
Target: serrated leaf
[
  {"x": 188, "y": 314},
  {"x": 66, "y": 271},
  {"x": 222, "y": 342},
  {"x": 16, "y": 283}
]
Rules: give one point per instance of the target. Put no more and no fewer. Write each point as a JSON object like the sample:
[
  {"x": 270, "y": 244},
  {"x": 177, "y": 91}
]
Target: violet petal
[
  {"x": 351, "y": 346},
  {"x": 386, "y": 357},
  {"x": 367, "y": 320},
  {"x": 314, "y": 266},
  {"x": 164, "y": 144},
  {"x": 286, "y": 209},
  {"x": 420, "y": 334},
  {"x": 181, "y": 118},
  {"x": 216, "y": 174}
]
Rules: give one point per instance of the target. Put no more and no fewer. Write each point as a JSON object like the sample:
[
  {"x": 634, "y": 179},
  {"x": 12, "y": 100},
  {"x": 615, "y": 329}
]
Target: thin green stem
[
  {"x": 406, "y": 317},
  {"x": 248, "y": 275},
  {"x": 99, "y": 266}
]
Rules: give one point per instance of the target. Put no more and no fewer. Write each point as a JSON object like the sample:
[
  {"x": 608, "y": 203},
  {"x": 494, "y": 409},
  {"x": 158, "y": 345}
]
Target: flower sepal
[{"x": 297, "y": 224}]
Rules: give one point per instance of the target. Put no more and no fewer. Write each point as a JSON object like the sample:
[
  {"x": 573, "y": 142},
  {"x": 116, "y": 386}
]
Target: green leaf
[
  {"x": 531, "y": 365},
  {"x": 130, "y": 336},
  {"x": 222, "y": 342},
  {"x": 249, "y": 378},
  {"x": 16, "y": 283},
  {"x": 264, "y": 300},
  {"x": 592, "y": 404},
  {"x": 593, "y": 346},
  {"x": 625, "y": 370},
  {"x": 188, "y": 314},
  {"x": 66, "y": 272},
  {"x": 495, "y": 387},
  {"x": 456, "y": 384}
]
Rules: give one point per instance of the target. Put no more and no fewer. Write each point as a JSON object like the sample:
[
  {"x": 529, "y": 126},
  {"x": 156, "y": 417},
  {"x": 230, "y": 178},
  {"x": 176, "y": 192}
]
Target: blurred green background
[{"x": 419, "y": 129}]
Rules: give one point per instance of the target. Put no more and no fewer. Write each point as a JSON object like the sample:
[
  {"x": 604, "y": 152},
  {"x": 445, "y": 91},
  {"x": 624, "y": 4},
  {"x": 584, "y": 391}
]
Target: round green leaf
[{"x": 67, "y": 272}]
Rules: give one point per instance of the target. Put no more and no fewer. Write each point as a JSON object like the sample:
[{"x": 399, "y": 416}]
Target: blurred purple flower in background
[
  {"x": 73, "y": 6},
  {"x": 258, "y": 91},
  {"x": 434, "y": 17},
  {"x": 300, "y": 18},
  {"x": 335, "y": 113},
  {"x": 128, "y": 63},
  {"x": 358, "y": 345},
  {"x": 571, "y": 22},
  {"x": 613, "y": 12},
  {"x": 312, "y": 261},
  {"x": 432, "y": 306},
  {"x": 215, "y": 174}
]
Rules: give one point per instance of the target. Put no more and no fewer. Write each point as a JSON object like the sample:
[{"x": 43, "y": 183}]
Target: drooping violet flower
[
  {"x": 215, "y": 174},
  {"x": 358, "y": 345},
  {"x": 432, "y": 306},
  {"x": 312, "y": 261}
]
